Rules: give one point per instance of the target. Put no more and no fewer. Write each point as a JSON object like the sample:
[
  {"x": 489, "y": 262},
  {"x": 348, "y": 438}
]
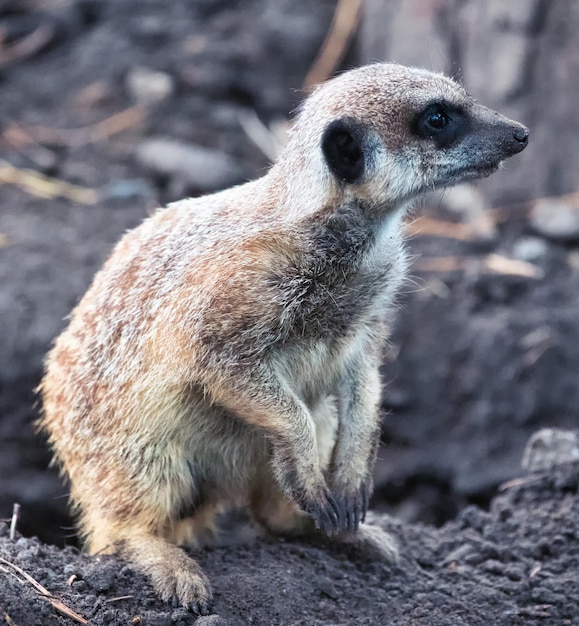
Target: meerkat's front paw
[
  {"x": 341, "y": 511},
  {"x": 352, "y": 506},
  {"x": 323, "y": 508}
]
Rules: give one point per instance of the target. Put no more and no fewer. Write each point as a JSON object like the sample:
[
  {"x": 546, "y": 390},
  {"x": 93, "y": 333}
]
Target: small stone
[
  {"x": 544, "y": 596},
  {"x": 99, "y": 577},
  {"x": 473, "y": 517},
  {"x": 327, "y": 588},
  {"x": 23, "y": 543},
  {"x": 158, "y": 619},
  {"x": 30, "y": 554},
  {"x": 128, "y": 190},
  {"x": 70, "y": 569},
  {"x": 555, "y": 219},
  {"x": 530, "y": 250},
  {"x": 513, "y": 572},
  {"x": 210, "y": 620},
  {"x": 550, "y": 447},
  {"x": 180, "y": 614},
  {"x": 202, "y": 168},
  {"x": 149, "y": 86},
  {"x": 493, "y": 566}
]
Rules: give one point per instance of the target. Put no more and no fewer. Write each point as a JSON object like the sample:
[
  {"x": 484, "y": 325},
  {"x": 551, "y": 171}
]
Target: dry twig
[
  {"x": 113, "y": 125},
  {"x": 17, "y": 137},
  {"x": 270, "y": 141},
  {"x": 14, "y": 520},
  {"x": 494, "y": 263},
  {"x": 519, "y": 482},
  {"x": 118, "y": 599},
  {"x": 45, "y": 186},
  {"x": 344, "y": 24},
  {"x": 58, "y": 604},
  {"x": 27, "y": 46},
  {"x": 428, "y": 226},
  {"x": 503, "y": 265},
  {"x": 8, "y": 619}
]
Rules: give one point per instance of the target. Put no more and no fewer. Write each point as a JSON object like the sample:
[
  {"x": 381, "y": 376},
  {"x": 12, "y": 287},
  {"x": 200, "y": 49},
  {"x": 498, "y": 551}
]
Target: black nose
[{"x": 521, "y": 137}]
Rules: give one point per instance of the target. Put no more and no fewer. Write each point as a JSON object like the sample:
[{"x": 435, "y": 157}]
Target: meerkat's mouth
[{"x": 470, "y": 172}]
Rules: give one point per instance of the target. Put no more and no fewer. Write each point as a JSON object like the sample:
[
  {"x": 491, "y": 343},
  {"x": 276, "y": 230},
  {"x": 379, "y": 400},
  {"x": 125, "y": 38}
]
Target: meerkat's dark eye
[
  {"x": 341, "y": 145},
  {"x": 437, "y": 120},
  {"x": 441, "y": 123}
]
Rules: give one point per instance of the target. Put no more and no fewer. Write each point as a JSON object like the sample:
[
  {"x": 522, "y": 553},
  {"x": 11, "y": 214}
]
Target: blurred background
[{"x": 110, "y": 108}]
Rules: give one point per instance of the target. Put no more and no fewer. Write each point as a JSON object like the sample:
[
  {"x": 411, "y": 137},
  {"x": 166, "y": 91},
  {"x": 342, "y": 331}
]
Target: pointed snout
[
  {"x": 519, "y": 140},
  {"x": 500, "y": 135}
]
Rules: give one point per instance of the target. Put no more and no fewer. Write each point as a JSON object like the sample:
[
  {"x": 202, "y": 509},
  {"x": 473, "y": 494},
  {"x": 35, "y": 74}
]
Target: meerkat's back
[{"x": 229, "y": 349}]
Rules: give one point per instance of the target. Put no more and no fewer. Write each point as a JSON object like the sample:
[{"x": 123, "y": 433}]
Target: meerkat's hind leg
[
  {"x": 176, "y": 576},
  {"x": 277, "y": 514},
  {"x": 200, "y": 528}
]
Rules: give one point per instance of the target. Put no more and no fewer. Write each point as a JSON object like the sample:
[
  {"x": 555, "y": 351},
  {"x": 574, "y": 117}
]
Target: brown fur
[{"x": 230, "y": 347}]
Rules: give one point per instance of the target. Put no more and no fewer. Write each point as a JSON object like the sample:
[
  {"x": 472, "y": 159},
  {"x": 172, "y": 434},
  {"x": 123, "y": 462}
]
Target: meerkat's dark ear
[{"x": 342, "y": 148}]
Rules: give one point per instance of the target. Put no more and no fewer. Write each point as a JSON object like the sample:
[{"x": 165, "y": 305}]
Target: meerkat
[{"x": 230, "y": 346}]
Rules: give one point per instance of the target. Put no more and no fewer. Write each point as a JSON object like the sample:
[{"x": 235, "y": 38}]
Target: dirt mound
[{"x": 516, "y": 564}]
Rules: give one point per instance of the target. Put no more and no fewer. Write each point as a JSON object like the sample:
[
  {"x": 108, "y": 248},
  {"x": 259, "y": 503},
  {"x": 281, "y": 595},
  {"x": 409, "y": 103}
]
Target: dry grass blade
[
  {"x": 441, "y": 264},
  {"x": 113, "y": 125},
  {"x": 8, "y": 619},
  {"x": 118, "y": 599},
  {"x": 56, "y": 602},
  {"x": 494, "y": 263},
  {"x": 44, "y": 186},
  {"x": 430, "y": 227},
  {"x": 504, "y": 213},
  {"x": 14, "y": 520},
  {"x": 519, "y": 482},
  {"x": 344, "y": 24},
  {"x": 503, "y": 265},
  {"x": 269, "y": 141},
  {"x": 28, "y": 45}
]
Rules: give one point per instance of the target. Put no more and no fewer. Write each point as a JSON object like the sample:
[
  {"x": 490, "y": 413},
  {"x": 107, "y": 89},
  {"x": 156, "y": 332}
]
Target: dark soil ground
[
  {"x": 516, "y": 564},
  {"x": 482, "y": 355}
]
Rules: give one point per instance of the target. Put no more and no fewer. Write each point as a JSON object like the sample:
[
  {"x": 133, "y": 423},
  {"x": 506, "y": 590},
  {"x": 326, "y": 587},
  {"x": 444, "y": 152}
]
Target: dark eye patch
[{"x": 441, "y": 122}]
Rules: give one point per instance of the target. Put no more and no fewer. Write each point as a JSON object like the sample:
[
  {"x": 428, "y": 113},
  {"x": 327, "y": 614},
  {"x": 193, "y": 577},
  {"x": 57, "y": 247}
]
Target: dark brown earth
[
  {"x": 516, "y": 564},
  {"x": 482, "y": 356}
]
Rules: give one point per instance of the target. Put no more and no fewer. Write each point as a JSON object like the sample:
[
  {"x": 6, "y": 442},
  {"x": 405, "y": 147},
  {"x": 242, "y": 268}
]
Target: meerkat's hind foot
[
  {"x": 370, "y": 541},
  {"x": 373, "y": 542},
  {"x": 176, "y": 577}
]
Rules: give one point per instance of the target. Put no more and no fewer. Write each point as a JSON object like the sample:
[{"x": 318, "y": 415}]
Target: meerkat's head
[{"x": 386, "y": 133}]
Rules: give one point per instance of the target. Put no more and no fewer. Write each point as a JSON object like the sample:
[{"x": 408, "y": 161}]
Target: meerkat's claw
[
  {"x": 366, "y": 493},
  {"x": 353, "y": 514},
  {"x": 324, "y": 510},
  {"x": 195, "y": 607},
  {"x": 353, "y": 507},
  {"x": 340, "y": 513},
  {"x": 199, "y": 608}
]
